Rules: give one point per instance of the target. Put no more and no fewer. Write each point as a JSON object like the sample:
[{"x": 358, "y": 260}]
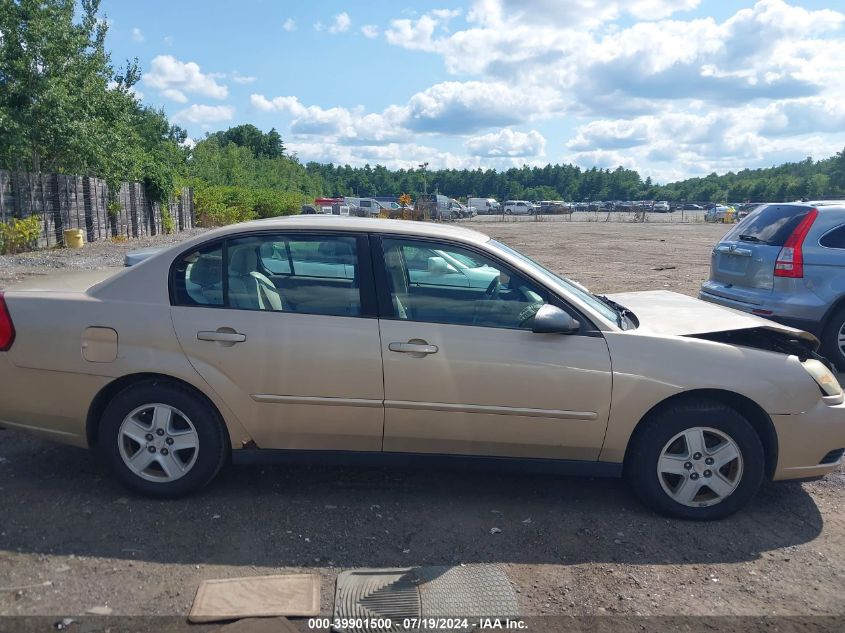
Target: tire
[
  {"x": 831, "y": 348},
  {"x": 134, "y": 416},
  {"x": 660, "y": 436}
]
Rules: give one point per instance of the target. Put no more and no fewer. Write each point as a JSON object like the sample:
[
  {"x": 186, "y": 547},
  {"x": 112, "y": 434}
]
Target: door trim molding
[
  {"x": 477, "y": 408},
  {"x": 317, "y": 400}
]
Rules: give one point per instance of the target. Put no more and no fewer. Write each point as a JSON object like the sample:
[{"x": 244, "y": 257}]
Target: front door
[
  {"x": 282, "y": 326},
  {"x": 464, "y": 373}
]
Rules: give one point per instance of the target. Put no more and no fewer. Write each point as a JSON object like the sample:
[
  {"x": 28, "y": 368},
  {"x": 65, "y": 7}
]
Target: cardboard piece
[{"x": 257, "y": 597}]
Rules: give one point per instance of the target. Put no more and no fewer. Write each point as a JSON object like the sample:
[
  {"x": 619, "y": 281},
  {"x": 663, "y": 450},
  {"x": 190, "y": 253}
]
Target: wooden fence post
[{"x": 58, "y": 222}]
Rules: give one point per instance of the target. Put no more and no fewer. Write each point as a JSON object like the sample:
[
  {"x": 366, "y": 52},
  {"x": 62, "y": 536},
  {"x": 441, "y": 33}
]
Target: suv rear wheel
[
  {"x": 697, "y": 460},
  {"x": 833, "y": 339}
]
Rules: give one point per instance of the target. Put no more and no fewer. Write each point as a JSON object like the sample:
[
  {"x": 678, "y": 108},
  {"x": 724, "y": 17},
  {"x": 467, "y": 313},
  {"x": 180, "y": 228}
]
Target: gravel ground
[
  {"x": 99, "y": 254},
  {"x": 72, "y": 539}
]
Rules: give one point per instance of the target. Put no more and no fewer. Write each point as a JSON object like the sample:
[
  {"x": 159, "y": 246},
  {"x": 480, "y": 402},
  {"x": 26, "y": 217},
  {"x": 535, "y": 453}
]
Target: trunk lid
[{"x": 63, "y": 281}]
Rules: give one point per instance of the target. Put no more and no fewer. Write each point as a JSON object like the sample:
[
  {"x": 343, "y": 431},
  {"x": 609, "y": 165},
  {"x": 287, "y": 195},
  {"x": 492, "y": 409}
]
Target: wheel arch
[
  {"x": 109, "y": 391},
  {"x": 746, "y": 407},
  {"x": 834, "y": 308}
]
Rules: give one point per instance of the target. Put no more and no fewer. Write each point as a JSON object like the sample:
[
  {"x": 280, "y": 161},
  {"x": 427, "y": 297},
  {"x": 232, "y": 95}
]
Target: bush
[
  {"x": 218, "y": 205},
  {"x": 19, "y": 235},
  {"x": 167, "y": 223}
]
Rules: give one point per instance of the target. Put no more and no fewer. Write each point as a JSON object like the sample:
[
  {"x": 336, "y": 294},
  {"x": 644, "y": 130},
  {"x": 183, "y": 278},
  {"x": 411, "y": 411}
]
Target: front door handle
[
  {"x": 412, "y": 348},
  {"x": 222, "y": 335}
]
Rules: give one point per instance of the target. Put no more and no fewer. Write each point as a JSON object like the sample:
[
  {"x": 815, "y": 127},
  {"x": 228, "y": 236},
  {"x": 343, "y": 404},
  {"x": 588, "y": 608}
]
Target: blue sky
[{"x": 673, "y": 88}]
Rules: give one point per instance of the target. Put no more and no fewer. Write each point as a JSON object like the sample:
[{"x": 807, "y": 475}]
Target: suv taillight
[
  {"x": 7, "y": 328},
  {"x": 790, "y": 261}
]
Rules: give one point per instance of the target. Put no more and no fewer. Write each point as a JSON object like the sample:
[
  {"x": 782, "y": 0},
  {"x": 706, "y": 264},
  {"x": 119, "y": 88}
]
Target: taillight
[
  {"x": 790, "y": 261},
  {"x": 7, "y": 328}
]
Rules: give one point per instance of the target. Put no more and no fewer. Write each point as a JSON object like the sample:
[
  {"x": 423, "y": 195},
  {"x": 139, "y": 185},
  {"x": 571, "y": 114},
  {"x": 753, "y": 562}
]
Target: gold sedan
[{"x": 353, "y": 339}]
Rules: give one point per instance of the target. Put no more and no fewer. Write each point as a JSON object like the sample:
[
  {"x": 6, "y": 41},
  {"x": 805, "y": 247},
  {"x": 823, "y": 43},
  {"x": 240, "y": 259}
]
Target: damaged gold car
[{"x": 352, "y": 339}]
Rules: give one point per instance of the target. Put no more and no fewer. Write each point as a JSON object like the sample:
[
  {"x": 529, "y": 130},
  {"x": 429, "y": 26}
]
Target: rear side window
[
  {"x": 834, "y": 238},
  {"x": 770, "y": 224},
  {"x": 198, "y": 278}
]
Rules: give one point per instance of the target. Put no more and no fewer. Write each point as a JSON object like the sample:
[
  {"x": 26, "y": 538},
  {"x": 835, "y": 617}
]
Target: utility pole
[{"x": 423, "y": 167}]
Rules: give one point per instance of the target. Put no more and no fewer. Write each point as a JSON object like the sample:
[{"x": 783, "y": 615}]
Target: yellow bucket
[{"x": 74, "y": 238}]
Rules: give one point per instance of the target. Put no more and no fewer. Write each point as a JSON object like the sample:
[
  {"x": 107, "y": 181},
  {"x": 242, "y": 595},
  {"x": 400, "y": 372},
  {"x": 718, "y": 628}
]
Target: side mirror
[{"x": 552, "y": 320}]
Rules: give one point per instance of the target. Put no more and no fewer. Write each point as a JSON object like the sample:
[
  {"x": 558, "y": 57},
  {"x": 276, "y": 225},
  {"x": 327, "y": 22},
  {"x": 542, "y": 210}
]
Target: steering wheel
[{"x": 492, "y": 291}]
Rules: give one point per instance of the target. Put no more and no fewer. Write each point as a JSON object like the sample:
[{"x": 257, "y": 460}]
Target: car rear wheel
[
  {"x": 698, "y": 460},
  {"x": 833, "y": 339},
  {"x": 162, "y": 440}
]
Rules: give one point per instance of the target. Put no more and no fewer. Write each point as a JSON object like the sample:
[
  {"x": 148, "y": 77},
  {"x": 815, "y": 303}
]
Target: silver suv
[{"x": 786, "y": 262}]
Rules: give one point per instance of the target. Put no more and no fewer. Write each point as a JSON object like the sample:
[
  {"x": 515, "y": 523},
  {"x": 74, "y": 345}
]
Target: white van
[
  {"x": 364, "y": 206},
  {"x": 518, "y": 207},
  {"x": 484, "y": 206}
]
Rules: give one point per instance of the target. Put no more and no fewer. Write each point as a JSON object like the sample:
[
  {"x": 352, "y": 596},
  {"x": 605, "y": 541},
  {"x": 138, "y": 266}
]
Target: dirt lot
[{"x": 72, "y": 539}]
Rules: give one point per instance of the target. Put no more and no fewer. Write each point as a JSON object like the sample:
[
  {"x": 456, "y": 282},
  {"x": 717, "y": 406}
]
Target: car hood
[{"x": 670, "y": 313}]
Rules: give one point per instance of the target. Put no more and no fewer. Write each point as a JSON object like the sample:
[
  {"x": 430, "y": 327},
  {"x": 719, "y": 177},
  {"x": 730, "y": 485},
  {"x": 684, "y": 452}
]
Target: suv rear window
[{"x": 771, "y": 224}]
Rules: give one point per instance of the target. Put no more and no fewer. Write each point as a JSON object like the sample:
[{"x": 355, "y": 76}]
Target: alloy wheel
[
  {"x": 158, "y": 442},
  {"x": 700, "y": 467}
]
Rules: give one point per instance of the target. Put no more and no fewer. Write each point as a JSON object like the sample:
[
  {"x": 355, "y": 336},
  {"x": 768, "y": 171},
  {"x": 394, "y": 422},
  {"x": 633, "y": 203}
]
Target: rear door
[
  {"x": 743, "y": 262},
  {"x": 282, "y": 325}
]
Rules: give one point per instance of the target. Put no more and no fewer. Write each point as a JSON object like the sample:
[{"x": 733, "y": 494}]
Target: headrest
[
  {"x": 207, "y": 270},
  {"x": 243, "y": 261}
]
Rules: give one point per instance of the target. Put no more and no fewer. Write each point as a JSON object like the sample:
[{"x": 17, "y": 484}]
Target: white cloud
[
  {"x": 289, "y": 25},
  {"x": 445, "y": 108},
  {"x": 319, "y": 26},
  {"x": 201, "y": 114},
  {"x": 137, "y": 36},
  {"x": 174, "y": 79},
  {"x": 242, "y": 79},
  {"x": 340, "y": 23},
  {"x": 507, "y": 143},
  {"x": 418, "y": 34},
  {"x": 645, "y": 84},
  {"x": 395, "y": 155},
  {"x": 370, "y": 30}
]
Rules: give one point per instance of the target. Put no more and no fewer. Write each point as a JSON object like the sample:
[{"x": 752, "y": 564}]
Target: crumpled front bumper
[{"x": 805, "y": 439}]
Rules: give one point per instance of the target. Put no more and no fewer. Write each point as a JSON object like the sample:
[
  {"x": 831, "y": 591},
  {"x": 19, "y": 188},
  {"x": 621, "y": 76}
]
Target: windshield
[{"x": 590, "y": 299}]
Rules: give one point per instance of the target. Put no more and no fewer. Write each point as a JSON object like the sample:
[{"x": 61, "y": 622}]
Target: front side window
[{"x": 442, "y": 283}]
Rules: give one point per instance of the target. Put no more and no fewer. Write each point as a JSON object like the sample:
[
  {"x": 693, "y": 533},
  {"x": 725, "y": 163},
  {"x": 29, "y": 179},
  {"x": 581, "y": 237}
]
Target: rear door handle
[
  {"x": 412, "y": 348},
  {"x": 223, "y": 335}
]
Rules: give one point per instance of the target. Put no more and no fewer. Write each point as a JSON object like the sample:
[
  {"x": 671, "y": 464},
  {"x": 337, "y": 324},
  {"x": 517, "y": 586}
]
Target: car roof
[
  {"x": 826, "y": 203},
  {"x": 344, "y": 223}
]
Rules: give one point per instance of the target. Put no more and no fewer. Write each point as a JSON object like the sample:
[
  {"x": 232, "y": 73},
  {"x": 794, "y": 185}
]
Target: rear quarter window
[
  {"x": 834, "y": 238},
  {"x": 771, "y": 224}
]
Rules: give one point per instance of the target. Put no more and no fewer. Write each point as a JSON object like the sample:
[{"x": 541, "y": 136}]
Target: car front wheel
[
  {"x": 161, "y": 439},
  {"x": 697, "y": 460}
]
